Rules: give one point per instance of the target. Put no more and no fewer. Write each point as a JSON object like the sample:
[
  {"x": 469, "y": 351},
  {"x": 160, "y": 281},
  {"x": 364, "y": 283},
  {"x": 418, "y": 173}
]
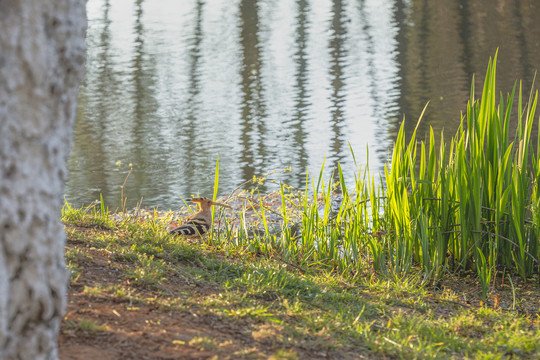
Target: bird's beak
[{"x": 221, "y": 204}]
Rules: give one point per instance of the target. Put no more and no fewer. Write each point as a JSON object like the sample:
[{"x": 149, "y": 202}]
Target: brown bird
[{"x": 200, "y": 222}]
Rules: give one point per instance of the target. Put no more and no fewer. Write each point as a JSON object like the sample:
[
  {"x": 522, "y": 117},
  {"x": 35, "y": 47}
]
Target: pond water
[{"x": 272, "y": 84}]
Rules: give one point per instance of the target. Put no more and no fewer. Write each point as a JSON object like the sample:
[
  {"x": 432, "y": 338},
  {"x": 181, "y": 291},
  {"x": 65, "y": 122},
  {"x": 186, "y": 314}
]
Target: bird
[{"x": 200, "y": 222}]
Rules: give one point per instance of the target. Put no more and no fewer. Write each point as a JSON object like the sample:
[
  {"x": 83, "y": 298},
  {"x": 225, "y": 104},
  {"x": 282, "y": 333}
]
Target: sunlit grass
[
  {"x": 87, "y": 325},
  {"x": 381, "y": 315},
  {"x": 148, "y": 271},
  {"x": 203, "y": 343}
]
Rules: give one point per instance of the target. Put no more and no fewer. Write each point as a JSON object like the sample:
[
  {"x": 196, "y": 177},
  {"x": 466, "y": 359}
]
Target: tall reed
[{"x": 478, "y": 207}]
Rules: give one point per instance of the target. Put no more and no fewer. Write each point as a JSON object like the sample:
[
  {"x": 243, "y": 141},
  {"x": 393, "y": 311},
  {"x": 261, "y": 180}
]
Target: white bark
[{"x": 42, "y": 53}]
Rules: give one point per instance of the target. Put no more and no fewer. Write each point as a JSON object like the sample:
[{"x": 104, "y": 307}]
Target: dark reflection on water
[
  {"x": 295, "y": 125},
  {"x": 265, "y": 85},
  {"x": 253, "y": 129},
  {"x": 337, "y": 70}
]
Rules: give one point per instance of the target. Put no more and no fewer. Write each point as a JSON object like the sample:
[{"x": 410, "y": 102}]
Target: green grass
[
  {"x": 148, "y": 270},
  {"x": 73, "y": 257},
  {"x": 87, "y": 326},
  {"x": 116, "y": 291},
  {"x": 203, "y": 343},
  {"x": 471, "y": 204},
  {"x": 380, "y": 315}
]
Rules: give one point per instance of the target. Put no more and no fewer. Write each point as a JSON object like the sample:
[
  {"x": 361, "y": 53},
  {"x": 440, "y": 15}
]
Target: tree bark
[{"x": 42, "y": 55}]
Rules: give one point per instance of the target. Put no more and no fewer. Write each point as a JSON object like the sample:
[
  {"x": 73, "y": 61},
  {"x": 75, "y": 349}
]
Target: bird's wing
[{"x": 192, "y": 227}]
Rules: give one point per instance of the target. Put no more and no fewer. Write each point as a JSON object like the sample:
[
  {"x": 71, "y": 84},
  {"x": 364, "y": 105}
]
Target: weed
[
  {"x": 148, "y": 270},
  {"x": 284, "y": 354},
  {"x": 203, "y": 343},
  {"x": 87, "y": 325}
]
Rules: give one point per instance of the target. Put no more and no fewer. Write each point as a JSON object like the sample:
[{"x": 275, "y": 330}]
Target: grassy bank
[
  {"x": 137, "y": 292},
  {"x": 469, "y": 205},
  {"x": 440, "y": 259}
]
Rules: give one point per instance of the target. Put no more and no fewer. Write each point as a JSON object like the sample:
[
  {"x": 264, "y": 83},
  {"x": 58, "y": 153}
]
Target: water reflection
[
  {"x": 194, "y": 147},
  {"x": 145, "y": 137},
  {"x": 338, "y": 56},
  {"x": 268, "y": 84},
  {"x": 296, "y": 132},
  {"x": 253, "y": 152}
]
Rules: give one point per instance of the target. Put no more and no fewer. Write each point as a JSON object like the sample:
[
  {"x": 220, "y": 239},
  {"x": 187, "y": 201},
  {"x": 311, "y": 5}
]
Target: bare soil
[{"x": 143, "y": 330}]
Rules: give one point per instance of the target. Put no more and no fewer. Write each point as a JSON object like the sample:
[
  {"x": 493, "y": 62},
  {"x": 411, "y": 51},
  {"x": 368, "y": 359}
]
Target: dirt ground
[
  {"x": 101, "y": 326},
  {"x": 135, "y": 330}
]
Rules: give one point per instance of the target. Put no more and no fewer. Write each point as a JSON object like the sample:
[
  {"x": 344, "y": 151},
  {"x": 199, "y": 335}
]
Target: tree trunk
[{"x": 42, "y": 54}]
